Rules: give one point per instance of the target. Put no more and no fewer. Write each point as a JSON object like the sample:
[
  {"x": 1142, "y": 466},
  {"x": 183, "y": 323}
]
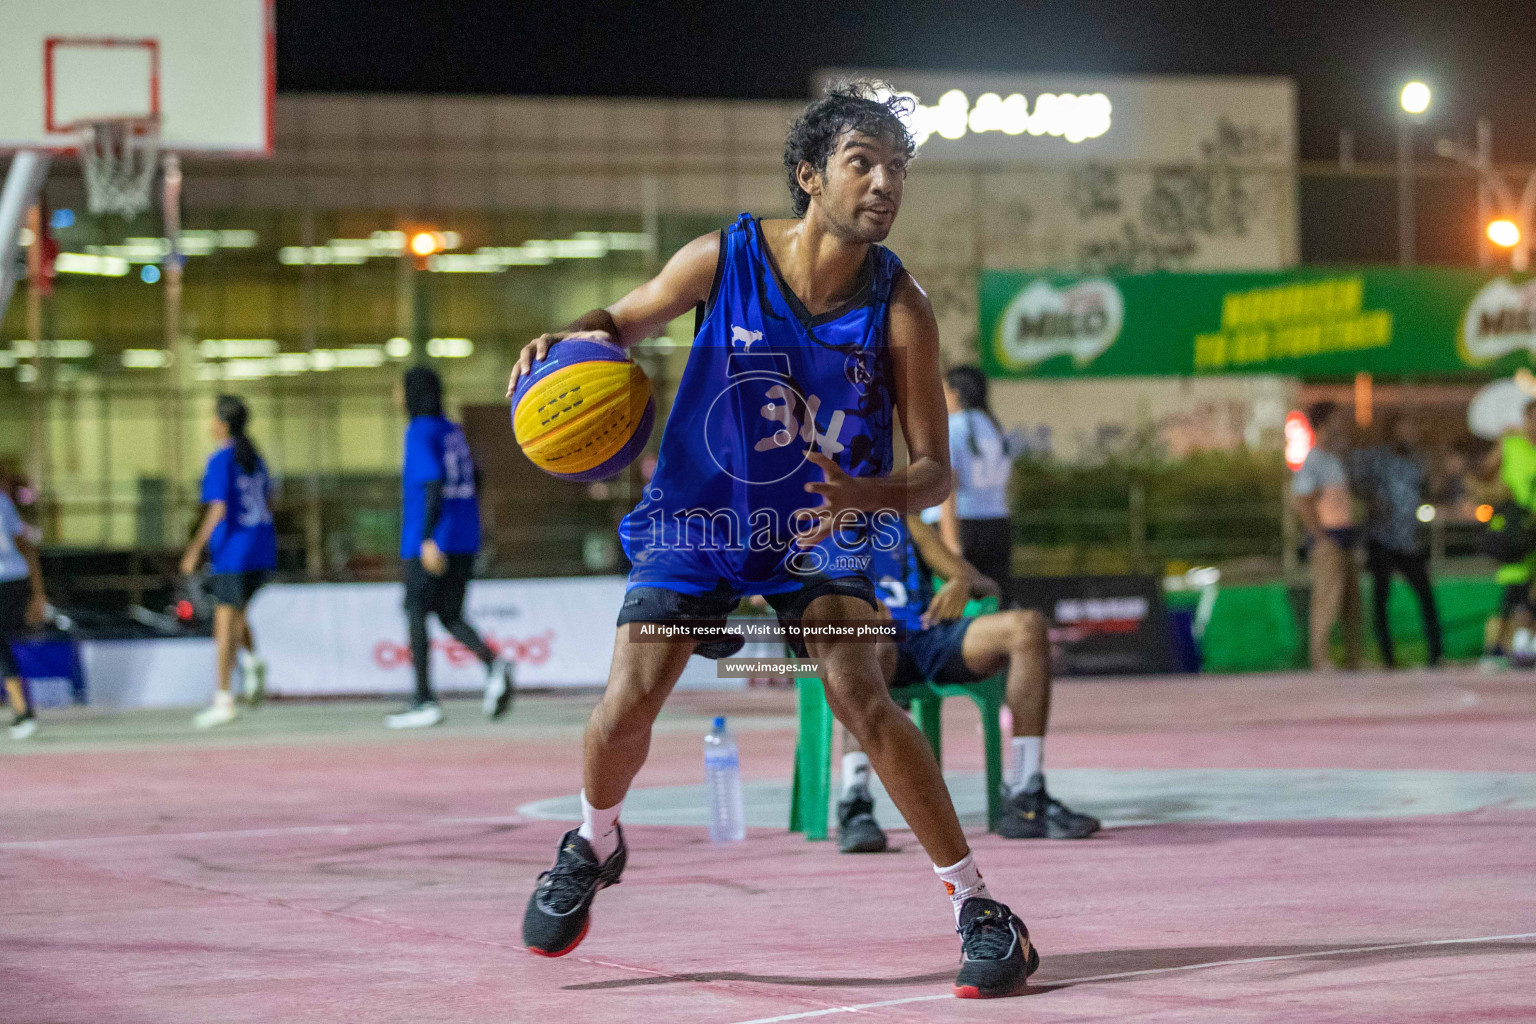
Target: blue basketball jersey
[
  {"x": 244, "y": 540},
  {"x": 765, "y": 384},
  {"x": 436, "y": 452},
  {"x": 902, "y": 580}
]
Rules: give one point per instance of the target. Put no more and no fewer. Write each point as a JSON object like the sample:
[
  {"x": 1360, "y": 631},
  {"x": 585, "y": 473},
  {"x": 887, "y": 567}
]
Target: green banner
[{"x": 1315, "y": 322}]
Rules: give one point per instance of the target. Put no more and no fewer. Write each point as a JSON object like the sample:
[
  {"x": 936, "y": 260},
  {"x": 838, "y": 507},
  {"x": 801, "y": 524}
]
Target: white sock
[
  {"x": 1521, "y": 643},
  {"x": 962, "y": 881},
  {"x": 246, "y": 659},
  {"x": 223, "y": 699},
  {"x": 1026, "y": 760},
  {"x": 855, "y": 770},
  {"x": 600, "y": 827}
]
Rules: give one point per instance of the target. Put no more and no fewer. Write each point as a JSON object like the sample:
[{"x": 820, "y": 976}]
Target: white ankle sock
[
  {"x": 1521, "y": 643},
  {"x": 1024, "y": 762},
  {"x": 600, "y": 827},
  {"x": 855, "y": 770},
  {"x": 962, "y": 881}
]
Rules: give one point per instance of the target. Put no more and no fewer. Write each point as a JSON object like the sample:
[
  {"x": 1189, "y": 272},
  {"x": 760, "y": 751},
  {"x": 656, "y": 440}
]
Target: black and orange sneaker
[
  {"x": 1035, "y": 814},
  {"x": 996, "y": 956},
  {"x": 560, "y": 908}
]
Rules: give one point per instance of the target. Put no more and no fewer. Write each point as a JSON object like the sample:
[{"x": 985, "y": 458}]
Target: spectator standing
[
  {"x": 1512, "y": 462},
  {"x": 1391, "y": 479},
  {"x": 22, "y": 606},
  {"x": 974, "y": 521},
  {"x": 1326, "y": 508}
]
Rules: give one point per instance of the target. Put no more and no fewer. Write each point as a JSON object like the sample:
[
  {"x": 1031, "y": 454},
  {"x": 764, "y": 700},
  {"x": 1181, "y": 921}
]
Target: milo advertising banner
[{"x": 1319, "y": 322}]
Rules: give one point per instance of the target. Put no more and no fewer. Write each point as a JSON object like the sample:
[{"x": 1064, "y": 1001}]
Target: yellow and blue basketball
[{"x": 584, "y": 412}]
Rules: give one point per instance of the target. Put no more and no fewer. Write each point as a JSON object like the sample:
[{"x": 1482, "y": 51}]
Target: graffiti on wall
[{"x": 1218, "y": 196}]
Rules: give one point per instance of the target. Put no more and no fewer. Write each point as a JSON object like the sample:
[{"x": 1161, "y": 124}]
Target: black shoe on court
[
  {"x": 857, "y": 830},
  {"x": 1035, "y": 814},
  {"x": 560, "y": 908},
  {"x": 996, "y": 956}
]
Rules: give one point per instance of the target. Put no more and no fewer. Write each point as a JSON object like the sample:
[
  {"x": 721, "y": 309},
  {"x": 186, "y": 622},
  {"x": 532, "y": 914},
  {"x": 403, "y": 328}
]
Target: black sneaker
[
  {"x": 560, "y": 908},
  {"x": 996, "y": 956},
  {"x": 857, "y": 830},
  {"x": 1035, "y": 814}
]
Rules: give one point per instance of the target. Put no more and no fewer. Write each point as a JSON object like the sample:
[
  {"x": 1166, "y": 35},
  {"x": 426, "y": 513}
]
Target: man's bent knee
[
  {"x": 857, "y": 702},
  {"x": 1026, "y": 630}
]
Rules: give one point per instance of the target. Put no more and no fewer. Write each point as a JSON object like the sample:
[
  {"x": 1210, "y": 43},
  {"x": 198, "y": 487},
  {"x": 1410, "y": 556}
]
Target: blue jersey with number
[
  {"x": 765, "y": 384},
  {"x": 435, "y": 450},
  {"x": 244, "y": 540},
  {"x": 901, "y": 579}
]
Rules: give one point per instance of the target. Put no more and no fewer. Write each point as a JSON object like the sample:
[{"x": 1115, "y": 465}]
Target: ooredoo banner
[{"x": 322, "y": 639}]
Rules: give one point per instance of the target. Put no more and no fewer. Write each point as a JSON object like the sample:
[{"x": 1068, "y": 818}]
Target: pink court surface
[{"x": 1280, "y": 848}]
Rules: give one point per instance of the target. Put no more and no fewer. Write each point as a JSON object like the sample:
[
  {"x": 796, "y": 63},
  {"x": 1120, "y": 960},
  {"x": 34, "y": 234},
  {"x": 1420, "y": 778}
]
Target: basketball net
[{"x": 118, "y": 158}]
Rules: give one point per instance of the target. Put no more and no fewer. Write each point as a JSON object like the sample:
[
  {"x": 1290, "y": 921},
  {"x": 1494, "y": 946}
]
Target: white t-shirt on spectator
[{"x": 12, "y": 565}]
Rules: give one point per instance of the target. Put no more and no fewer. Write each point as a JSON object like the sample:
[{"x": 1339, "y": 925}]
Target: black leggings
[
  {"x": 1382, "y": 562},
  {"x": 988, "y": 545},
  {"x": 15, "y": 595},
  {"x": 443, "y": 596}
]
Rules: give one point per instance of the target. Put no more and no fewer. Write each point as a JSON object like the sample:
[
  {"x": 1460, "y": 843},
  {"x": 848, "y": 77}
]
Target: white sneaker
[
  {"x": 498, "y": 688},
  {"x": 23, "y": 728},
  {"x": 220, "y": 712},
  {"x": 253, "y": 669},
  {"x": 417, "y": 716}
]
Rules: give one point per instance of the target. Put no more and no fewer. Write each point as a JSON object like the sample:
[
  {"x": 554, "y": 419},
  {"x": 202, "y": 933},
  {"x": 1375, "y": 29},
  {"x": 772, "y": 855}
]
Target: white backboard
[{"x": 204, "y": 68}]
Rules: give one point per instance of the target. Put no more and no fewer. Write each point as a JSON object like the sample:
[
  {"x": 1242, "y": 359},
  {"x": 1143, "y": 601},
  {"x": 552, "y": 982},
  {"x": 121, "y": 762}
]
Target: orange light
[
  {"x": 425, "y": 243},
  {"x": 1298, "y": 439},
  {"x": 1504, "y": 232},
  {"x": 1484, "y": 513}
]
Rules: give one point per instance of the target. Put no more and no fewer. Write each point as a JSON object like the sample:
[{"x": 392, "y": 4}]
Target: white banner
[
  {"x": 322, "y": 639},
  {"x": 168, "y": 673}
]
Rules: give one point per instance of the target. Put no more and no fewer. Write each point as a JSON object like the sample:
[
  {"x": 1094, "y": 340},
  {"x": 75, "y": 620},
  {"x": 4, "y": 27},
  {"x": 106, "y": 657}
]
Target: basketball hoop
[{"x": 118, "y": 157}]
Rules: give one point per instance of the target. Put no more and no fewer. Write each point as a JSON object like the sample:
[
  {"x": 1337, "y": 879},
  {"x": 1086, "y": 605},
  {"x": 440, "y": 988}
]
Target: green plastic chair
[{"x": 812, "y": 788}]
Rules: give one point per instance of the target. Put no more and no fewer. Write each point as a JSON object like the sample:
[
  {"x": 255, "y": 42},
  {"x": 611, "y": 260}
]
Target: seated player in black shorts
[{"x": 942, "y": 646}]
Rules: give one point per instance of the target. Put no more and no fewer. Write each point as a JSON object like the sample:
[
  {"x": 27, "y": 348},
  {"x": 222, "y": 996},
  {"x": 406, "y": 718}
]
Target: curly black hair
[{"x": 854, "y": 105}]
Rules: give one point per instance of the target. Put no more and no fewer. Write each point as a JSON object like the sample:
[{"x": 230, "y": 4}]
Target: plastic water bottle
[{"x": 722, "y": 778}]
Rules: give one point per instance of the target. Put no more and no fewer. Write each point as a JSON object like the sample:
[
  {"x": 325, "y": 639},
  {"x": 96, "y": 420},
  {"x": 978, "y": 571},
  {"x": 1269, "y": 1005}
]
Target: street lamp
[
  {"x": 1507, "y": 234},
  {"x": 427, "y": 243},
  {"x": 421, "y": 246},
  {"x": 1504, "y": 232},
  {"x": 1414, "y": 100},
  {"x": 1512, "y": 231},
  {"x": 1415, "y": 97}
]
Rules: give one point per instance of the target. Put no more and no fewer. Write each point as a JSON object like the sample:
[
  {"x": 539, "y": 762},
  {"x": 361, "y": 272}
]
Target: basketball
[{"x": 584, "y": 412}]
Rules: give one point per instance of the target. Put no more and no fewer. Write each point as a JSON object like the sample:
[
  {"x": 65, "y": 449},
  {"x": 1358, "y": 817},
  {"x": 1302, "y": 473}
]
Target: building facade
[{"x": 299, "y": 295}]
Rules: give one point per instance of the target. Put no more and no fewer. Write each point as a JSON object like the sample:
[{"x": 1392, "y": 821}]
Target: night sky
[{"x": 1348, "y": 58}]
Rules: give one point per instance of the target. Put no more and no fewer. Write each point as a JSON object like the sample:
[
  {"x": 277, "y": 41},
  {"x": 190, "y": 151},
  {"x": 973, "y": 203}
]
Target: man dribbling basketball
[{"x": 812, "y": 340}]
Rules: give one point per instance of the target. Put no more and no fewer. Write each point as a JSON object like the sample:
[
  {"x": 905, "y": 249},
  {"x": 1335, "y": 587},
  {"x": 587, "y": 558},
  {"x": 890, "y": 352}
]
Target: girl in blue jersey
[
  {"x": 242, "y": 549},
  {"x": 439, "y": 538}
]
